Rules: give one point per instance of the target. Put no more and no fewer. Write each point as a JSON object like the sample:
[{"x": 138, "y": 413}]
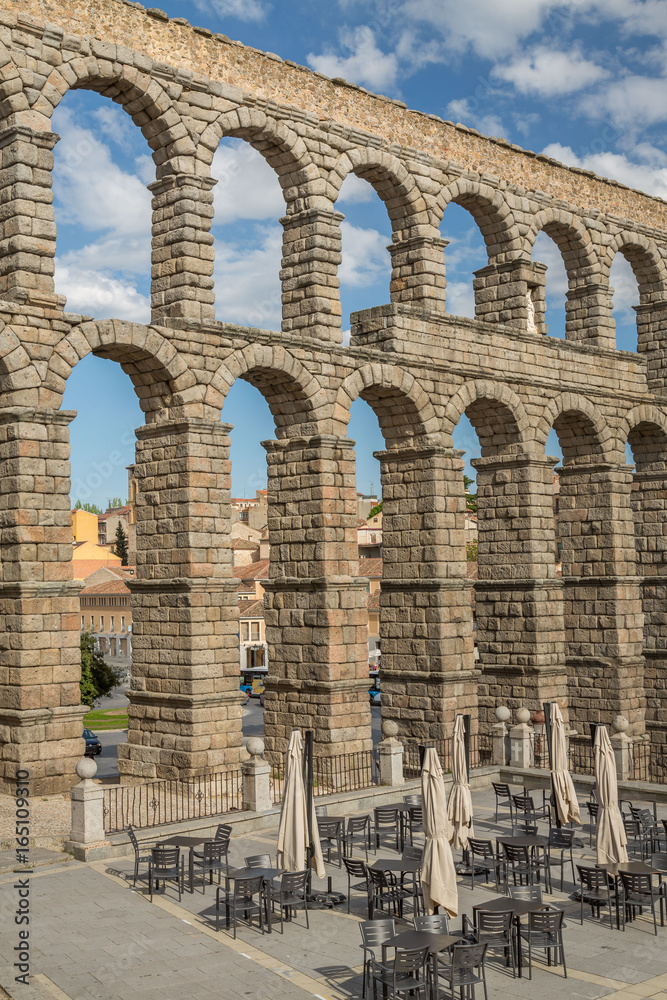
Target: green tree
[
  {"x": 90, "y": 507},
  {"x": 114, "y": 503},
  {"x": 375, "y": 510},
  {"x": 121, "y": 544},
  {"x": 97, "y": 677},
  {"x": 471, "y": 498}
]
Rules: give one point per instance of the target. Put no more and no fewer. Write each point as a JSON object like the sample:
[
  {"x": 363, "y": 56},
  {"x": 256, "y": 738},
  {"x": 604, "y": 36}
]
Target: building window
[
  {"x": 83, "y": 621},
  {"x": 101, "y": 623},
  {"x": 244, "y": 632},
  {"x": 254, "y": 631},
  {"x": 373, "y": 539},
  {"x": 122, "y": 623},
  {"x": 92, "y": 622},
  {"x": 113, "y": 623}
]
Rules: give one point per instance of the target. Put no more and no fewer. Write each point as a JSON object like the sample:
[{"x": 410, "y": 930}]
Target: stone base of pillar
[
  {"x": 338, "y": 712},
  {"x": 521, "y": 685},
  {"x": 600, "y": 689},
  {"x": 46, "y": 742},
  {"x": 425, "y": 703}
]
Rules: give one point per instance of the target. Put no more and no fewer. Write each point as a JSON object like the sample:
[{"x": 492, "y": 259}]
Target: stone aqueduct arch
[{"x": 417, "y": 366}]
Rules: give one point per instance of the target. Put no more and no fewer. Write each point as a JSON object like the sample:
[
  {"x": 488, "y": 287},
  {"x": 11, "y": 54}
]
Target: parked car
[{"x": 93, "y": 745}]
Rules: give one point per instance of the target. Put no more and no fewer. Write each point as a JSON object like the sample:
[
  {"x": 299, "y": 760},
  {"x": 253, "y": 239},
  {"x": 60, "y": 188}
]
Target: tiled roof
[
  {"x": 371, "y": 568},
  {"x": 108, "y": 587},
  {"x": 83, "y": 568},
  {"x": 253, "y": 571},
  {"x": 472, "y": 570},
  {"x": 251, "y": 609},
  {"x": 373, "y": 602},
  {"x": 244, "y": 543},
  {"x": 121, "y": 511}
]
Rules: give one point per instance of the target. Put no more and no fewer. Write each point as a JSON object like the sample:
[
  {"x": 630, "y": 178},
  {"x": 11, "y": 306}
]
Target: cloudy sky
[{"x": 584, "y": 81}]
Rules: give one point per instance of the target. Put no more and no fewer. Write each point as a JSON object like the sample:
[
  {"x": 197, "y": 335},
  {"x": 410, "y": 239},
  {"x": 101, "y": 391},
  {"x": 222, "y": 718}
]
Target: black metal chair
[
  {"x": 388, "y": 818},
  {"x": 659, "y": 862},
  {"x": 166, "y": 865},
  {"x": 212, "y": 858},
  {"x": 495, "y": 929},
  {"x": 526, "y": 812},
  {"x": 638, "y": 892},
  {"x": 414, "y": 799},
  {"x": 466, "y": 970},
  {"x": 386, "y": 889},
  {"x": 240, "y": 898},
  {"x": 433, "y": 923},
  {"x": 358, "y": 827},
  {"x": 290, "y": 894},
  {"x": 634, "y": 836},
  {"x": 406, "y": 974},
  {"x": 356, "y": 868},
  {"x": 531, "y": 893},
  {"x": 139, "y": 858},
  {"x": 559, "y": 844},
  {"x": 503, "y": 795},
  {"x": 330, "y": 835},
  {"x": 258, "y": 861},
  {"x": 592, "y": 808},
  {"x": 483, "y": 856},
  {"x": 320, "y": 811},
  {"x": 521, "y": 863},
  {"x": 413, "y": 821},
  {"x": 594, "y": 890},
  {"x": 223, "y": 832},
  {"x": 545, "y": 931},
  {"x": 374, "y": 933}
]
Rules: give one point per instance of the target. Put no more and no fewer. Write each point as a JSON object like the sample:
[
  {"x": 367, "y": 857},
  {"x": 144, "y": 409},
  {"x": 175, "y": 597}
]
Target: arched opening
[
  {"x": 547, "y": 251},
  {"x": 465, "y": 253},
  {"x": 625, "y": 297},
  {"x": 365, "y": 267},
  {"x": 102, "y": 166},
  {"x": 248, "y": 204}
]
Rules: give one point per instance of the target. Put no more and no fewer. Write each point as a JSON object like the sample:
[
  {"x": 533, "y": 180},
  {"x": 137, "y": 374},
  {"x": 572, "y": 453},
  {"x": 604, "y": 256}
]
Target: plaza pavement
[{"x": 92, "y": 936}]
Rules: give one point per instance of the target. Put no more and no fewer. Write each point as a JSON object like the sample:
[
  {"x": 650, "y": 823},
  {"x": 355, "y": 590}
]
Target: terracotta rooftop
[
  {"x": 110, "y": 513},
  {"x": 244, "y": 543},
  {"x": 251, "y": 609},
  {"x": 371, "y": 568},
  {"x": 253, "y": 571},
  {"x": 108, "y": 587},
  {"x": 373, "y": 602}
]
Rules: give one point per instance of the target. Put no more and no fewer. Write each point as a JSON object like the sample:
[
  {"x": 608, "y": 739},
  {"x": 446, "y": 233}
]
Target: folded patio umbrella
[
  {"x": 561, "y": 779},
  {"x": 460, "y": 799},
  {"x": 438, "y": 872},
  {"x": 293, "y": 827},
  {"x": 611, "y": 839}
]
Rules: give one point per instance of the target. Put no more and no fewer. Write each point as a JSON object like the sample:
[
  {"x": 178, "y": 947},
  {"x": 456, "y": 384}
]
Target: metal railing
[
  {"x": 155, "y": 803},
  {"x": 346, "y": 772},
  {"x": 582, "y": 757},
  {"x": 649, "y": 762},
  {"x": 481, "y": 754}
]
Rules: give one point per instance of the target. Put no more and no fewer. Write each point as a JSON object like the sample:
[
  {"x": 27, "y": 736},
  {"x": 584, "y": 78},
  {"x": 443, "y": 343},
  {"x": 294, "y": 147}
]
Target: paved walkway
[{"x": 93, "y": 937}]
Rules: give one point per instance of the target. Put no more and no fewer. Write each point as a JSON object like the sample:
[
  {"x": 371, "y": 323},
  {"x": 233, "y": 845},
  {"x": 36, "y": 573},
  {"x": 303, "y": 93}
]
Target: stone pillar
[
  {"x": 588, "y": 314},
  {"x": 512, "y": 293},
  {"x": 185, "y": 704},
  {"x": 309, "y": 275},
  {"x": 499, "y": 735},
  {"x": 183, "y": 256},
  {"x": 391, "y": 755},
  {"x": 27, "y": 226},
  {"x": 315, "y": 605},
  {"x": 649, "y": 504},
  {"x": 518, "y": 597},
  {"x": 256, "y": 779},
  {"x": 521, "y": 741},
  {"x": 87, "y": 801},
  {"x": 622, "y": 747},
  {"x": 427, "y": 668},
  {"x": 652, "y": 342},
  {"x": 601, "y": 595},
  {"x": 418, "y": 270},
  {"x": 40, "y": 704}
]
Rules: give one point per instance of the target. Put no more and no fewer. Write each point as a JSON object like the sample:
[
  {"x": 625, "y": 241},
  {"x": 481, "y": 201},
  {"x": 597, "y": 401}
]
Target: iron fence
[
  {"x": 582, "y": 757},
  {"x": 155, "y": 803},
  {"x": 481, "y": 754},
  {"x": 540, "y": 750},
  {"x": 346, "y": 772},
  {"x": 649, "y": 762}
]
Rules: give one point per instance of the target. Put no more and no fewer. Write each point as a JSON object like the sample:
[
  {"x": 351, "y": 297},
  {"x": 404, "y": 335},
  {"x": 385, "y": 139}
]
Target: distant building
[
  {"x": 87, "y": 554},
  {"x": 106, "y": 613},
  {"x": 253, "y": 650}
]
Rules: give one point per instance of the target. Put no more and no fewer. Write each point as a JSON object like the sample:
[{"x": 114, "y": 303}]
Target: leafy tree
[
  {"x": 90, "y": 507},
  {"x": 114, "y": 503},
  {"x": 374, "y": 511},
  {"x": 121, "y": 544},
  {"x": 471, "y": 498},
  {"x": 97, "y": 677},
  {"x": 471, "y": 552}
]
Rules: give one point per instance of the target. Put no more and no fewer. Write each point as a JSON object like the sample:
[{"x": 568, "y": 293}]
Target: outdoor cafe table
[
  {"x": 614, "y": 869},
  {"x": 268, "y": 874},
  {"x": 189, "y": 842},
  {"x": 423, "y": 939},
  {"x": 402, "y": 866},
  {"x": 519, "y": 908}
]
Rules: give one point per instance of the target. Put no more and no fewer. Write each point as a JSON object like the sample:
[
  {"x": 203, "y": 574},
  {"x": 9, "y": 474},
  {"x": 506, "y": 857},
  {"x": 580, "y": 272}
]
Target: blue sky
[{"x": 583, "y": 80}]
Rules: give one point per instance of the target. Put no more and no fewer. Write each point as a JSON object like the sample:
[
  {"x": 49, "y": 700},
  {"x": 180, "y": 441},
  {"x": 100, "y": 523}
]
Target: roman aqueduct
[{"x": 594, "y": 637}]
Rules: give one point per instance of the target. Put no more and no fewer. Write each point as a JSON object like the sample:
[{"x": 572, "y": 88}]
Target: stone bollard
[
  {"x": 622, "y": 747},
  {"x": 499, "y": 736},
  {"x": 256, "y": 778},
  {"x": 87, "y": 801},
  {"x": 391, "y": 755},
  {"x": 521, "y": 740}
]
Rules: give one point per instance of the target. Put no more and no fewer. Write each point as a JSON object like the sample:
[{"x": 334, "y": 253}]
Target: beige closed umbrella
[
  {"x": 460, "y": 800},
  {"x": 293, "y": 827},
  {"x": 565, "y": 796},
  {"x": 438, "y": 872},
  {"x": 611, "y": 838}
]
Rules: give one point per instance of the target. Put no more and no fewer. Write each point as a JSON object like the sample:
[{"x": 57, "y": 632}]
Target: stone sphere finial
[
  {"x": 389, "y": 728},
  {"x": 255, "y": 746},
  {"x": 86, "y": 768},
  {"x": 503, "y": 713},
  {"x": 620, "y": 724},
  {"x": 522, "y": 715}
]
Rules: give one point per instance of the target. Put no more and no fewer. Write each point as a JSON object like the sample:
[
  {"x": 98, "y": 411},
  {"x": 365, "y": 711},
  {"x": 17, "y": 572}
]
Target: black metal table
[
  {"x": 423, "y": 939},
  {"x": 267, "y": 874},
  {"x": 614, "y": 869},
  {"x": 187, "y": 842},
  {"x": 519, "y": 908}
]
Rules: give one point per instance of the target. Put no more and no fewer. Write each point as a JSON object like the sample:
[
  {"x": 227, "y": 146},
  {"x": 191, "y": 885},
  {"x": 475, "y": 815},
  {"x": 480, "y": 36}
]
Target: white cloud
[
  {"x": 461, "y": 110},
  {"x": 365, "y": 256},
  {"x": 631, "y": 102},
  {"x": 244, "y": 10},
  {"x": 461, "y": 298},
  {"x": 366, "y": 64},
  {"x": 547, "y": 73},
  {"x": 355, "y": 189},
  {"x": 650, "y": 176},
  {"x": 247, "y": 188},
  {"x": 247, "y": 283},
  {"x": 99, "y": 294}
]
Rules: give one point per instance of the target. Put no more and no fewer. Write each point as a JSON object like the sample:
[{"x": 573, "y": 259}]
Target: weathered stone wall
[{"x": 581, "y": 639}]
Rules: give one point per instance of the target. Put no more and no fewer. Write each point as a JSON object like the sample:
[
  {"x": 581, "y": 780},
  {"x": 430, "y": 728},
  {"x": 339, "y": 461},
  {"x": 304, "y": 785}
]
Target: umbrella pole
[
  {"x": 546, "y": 708},
  {"x": 308, "y": 766}
]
